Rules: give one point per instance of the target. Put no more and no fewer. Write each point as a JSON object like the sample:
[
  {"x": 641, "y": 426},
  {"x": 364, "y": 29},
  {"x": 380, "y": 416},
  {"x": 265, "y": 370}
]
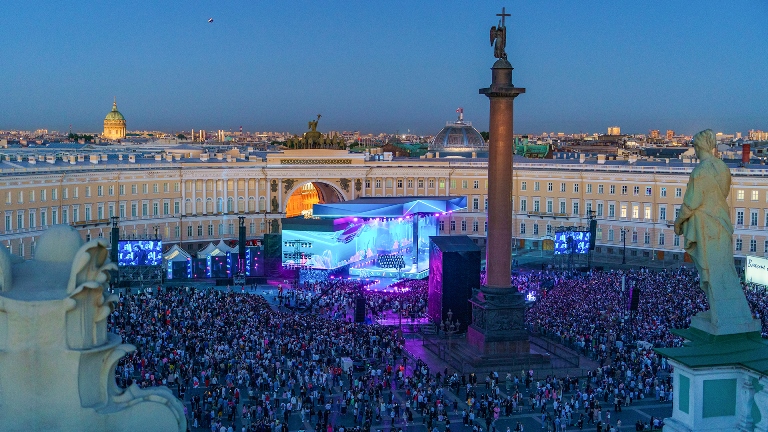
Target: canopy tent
[
  {"x": 176, "y": 253},
  {"x": 222, "y": 246},
  {"x": 216, "y": 250}
]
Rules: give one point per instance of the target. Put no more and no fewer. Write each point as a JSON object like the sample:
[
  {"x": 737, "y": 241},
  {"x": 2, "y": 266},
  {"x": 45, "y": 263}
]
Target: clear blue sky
[{"x": 382, "y": 66}]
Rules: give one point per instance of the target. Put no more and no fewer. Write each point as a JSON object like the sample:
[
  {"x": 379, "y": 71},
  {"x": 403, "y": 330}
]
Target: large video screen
[
  {"x": 139, "y": 253},
  {"x": 569, "y": 242}
]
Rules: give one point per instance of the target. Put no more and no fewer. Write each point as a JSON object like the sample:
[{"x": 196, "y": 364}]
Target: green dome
[{"x": 114, "y": 114}]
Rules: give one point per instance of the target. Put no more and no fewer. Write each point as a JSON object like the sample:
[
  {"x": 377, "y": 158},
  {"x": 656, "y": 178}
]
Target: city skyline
[{"x": 383, "y": 68}]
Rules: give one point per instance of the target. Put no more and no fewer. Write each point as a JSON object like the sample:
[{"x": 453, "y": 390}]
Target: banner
[{"x": 757, "y": 270}]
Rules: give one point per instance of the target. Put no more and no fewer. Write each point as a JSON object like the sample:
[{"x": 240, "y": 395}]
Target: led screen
[
  {"x": 139, "y": 253},
  {"x": 568, "y": 242}
]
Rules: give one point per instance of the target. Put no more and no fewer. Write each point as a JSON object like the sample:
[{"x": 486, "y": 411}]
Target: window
[
  {"x": 65, "y": 216},
  {"x": 634, "y": 236},
  {"x": 647, "y": 214},
  {"x": 611, "y": 210},
  {"x": 87, "y": 213},
  {"x": 155, "y": 188},
  {"x": 753, "y": 218},
  {"x": 522, "y": 227},
  {"x": 54, "y": 194},
  {"x": 176, "y": 186},
  {"x": 8, "y": 226},
  {"x": 589, "y": 208},
  {"x": 648, "y": 191},
  {"x": 431, "y": 183},
  {"x": 536, "y": 186},
  {"x": 562, "y": 187},
  {"x": 549, "y": 187},
  {"x": 755, "y": 195},
  {"x": 536, "y": 207},
  {"x": 111, "y": 190},
  {"x": 753, "y": 245},
  {"x": 475, "y": 203},
  {"x": 144, "y": 209},
  {"x": 550, "y": 206},
  {"x": 663, "y": 213},
  {"x": 210, "y": 229},
  {"x": 76, "y": 193},
  {"x": 610, "y": 234},
  {"x": 189, "y": 230},
  {"x": 100, "y": 212},
  {"x": 623, "y": 211},
  {"x": 523, "y": 205},
  {"x": 122, "y": 211},
  {"x": 738, "y": 244},
  {"x": 636, "y": 190},
  {"x": 562, "y": 207},
  {"x": 166, "y": 208},
  {"x": 486, "y": 226},
  {"x": 677, "y": 211},
  {"x": 31, "y": 196},
  {"x": 87, "y": 191},
  {"x": 623, "y": 190},
  {"x": 453, "y": 225},
  {"x": 661, "y": 239},
  {"x": 765, "y": 246},
  {"x": 647, "y": 238},
  {"x": 663, "y": 192},
  {"x": 599, "y": 209},
  {"x": 442, "y": 183},
  {"x": 65, "y": 193},
  {"x": 43, "y": 218},
  {"x": 155, "y": 209},
  {"x": 523, "y": 186},
  {"x": 476, "y": 184},
  {"x": 442, "y": 226},
  {"x": 464, "y": 184},
  {"x": 166, "y": 187},
  {"x": 635, "y": 211},
  {"x": 134, "y": 210},
  {"x": 410, "y": 183},
  {"x": 549, "y": 229},
  {"x": 589, "y": 188},
  {"x": 740, "y": 195},
  {"x": 612, "y": 189},
  {"x": 575, "y": 188},
  {"x": 367, "y": 184},
  {"x": 389, "y": 182},
  {"x": 378, "y": 183},
  {"x": 463, "y": 225},
  {"x": 600, "y": 189},
  {"x": 421, "y": 183},
  {"x": 42, "y": 194},
  {"x": 740, "y": 217},
  {"x": 678, "y": 192},
  {"x": 535, "y": 229},
  {"x": 400, "y": 183},
  {"x": 485, "y": 205},
  {"x": 575, "y": 208},
  {"x": 145, "y": 188}
]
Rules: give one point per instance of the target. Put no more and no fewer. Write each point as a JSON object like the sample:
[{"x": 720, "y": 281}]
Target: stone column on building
[{"x": 498, "y": 310}]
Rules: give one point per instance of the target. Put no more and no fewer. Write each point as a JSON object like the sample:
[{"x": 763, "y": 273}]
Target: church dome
[
  {"x": 458, "y": 136},
  {"x": 114, "y": 114}
]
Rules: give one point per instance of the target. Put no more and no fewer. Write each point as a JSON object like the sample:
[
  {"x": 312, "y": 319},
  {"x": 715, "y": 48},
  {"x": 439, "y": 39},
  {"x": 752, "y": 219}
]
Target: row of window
[{"x": 43, "y": 193}]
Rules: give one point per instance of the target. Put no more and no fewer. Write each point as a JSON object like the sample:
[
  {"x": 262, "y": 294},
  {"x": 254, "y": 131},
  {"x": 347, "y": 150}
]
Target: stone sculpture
[
  {"x": 57, "y": 360},
  {"x": 705, "y": 223}
]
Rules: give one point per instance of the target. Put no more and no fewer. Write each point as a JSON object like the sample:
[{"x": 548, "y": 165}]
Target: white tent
[
  {"x": 208, "y": 250},
  {"x": 225, "y": 247},
  {"x": 176, "y": 253}
]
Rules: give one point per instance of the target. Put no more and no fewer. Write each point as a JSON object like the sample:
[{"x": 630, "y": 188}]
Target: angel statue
[
  {"x": 54, "y": 310},
  {"x": 499, "y": 35}
]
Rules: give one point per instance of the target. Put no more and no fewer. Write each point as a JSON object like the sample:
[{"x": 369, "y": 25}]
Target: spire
[{"x": 114, "y": 104}]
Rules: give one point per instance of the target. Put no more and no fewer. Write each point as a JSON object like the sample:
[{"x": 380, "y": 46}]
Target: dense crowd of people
[{"x": 237, "y": 358}]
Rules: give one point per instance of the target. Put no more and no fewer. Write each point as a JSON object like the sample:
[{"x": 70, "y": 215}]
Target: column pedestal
[{"x": 497, "y": 329}]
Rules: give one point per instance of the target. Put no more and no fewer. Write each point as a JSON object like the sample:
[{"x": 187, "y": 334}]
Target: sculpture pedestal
[
  {"x": 498, "y": 318},
  {"x": 719, "y": 383}
]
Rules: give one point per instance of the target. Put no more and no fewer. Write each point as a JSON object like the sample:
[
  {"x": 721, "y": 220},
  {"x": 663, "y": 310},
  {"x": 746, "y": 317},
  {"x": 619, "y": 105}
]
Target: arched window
[
  {"x": 230, "y": 205},
  {"x": 262, "y": 204}
]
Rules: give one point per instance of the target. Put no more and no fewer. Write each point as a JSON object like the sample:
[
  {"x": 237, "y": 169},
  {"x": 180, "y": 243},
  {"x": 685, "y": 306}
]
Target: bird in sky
[{"x": 210, "y": 20}]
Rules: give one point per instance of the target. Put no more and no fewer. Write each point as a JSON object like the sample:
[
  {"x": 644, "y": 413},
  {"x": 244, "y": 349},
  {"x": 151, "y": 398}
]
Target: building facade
[{"x": 195, "y": 198}]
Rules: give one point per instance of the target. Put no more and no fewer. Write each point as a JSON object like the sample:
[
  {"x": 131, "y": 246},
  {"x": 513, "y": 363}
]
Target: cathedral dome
[
  {"x": 458, "y": 136},
  {"x": 114, "y": 124}
]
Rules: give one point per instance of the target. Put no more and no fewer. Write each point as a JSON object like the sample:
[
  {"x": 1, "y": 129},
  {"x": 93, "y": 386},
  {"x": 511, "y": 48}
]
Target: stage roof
[{"x": 389, "y": 207}]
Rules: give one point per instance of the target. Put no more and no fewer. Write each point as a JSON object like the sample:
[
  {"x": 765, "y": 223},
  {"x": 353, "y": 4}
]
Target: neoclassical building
[
  {"x": 191, "y": 197},
  {"x": 114, "y": 124}
]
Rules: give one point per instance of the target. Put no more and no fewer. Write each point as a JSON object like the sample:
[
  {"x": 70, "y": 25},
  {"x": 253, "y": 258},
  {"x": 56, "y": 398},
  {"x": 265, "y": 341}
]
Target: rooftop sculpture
[{"x": 57, "y": 360}]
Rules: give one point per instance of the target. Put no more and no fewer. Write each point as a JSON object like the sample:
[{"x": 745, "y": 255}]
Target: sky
[{"x": 382, "y": 66}]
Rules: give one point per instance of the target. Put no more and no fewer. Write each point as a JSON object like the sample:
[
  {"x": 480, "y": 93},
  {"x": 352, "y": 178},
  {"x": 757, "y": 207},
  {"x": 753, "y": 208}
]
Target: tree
[
  {"x": 485, "y": 135},
  {"x": 181, "y": 136}
]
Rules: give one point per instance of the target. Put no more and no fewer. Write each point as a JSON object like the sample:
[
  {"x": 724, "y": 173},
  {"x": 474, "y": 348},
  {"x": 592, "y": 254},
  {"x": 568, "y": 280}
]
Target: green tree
[
  {"x": 181, "y": 136},
  {"x": 485, "y": 135}
]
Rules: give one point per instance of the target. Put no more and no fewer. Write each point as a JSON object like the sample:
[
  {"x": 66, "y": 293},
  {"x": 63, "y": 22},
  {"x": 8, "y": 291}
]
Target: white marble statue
[
  {"x": 705, "y": 222},
  {"x": 57, "y": 360}
]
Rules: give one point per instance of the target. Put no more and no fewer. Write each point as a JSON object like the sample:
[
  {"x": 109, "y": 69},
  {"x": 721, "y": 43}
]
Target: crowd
[{"x": 237, "y": 359}]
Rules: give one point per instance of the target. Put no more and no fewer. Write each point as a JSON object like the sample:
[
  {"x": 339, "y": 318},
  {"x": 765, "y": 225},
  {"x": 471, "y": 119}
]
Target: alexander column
[{"x": 498, "y": 310}]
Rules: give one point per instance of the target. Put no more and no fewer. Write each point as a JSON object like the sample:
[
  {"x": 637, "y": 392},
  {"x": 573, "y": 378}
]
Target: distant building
[
  {"x": 670, "y": 134},
  {"x": 758, "y": 135},
  {"x": 614, "y": 130},
  {"x": 114, "y": 124},
  {"x": 654, "y": 134}
]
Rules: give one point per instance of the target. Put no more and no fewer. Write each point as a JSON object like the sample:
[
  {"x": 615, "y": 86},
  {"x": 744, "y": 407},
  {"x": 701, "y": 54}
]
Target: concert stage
[{"x": 366, "y": 238}]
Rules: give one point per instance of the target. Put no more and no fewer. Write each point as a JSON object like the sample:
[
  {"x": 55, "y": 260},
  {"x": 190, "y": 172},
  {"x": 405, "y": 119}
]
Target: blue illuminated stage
[{"x": 366, "y": 238}]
